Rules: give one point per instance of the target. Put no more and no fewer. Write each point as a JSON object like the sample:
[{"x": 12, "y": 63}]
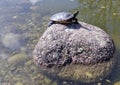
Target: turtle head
[{"x": 76, "y": 13}]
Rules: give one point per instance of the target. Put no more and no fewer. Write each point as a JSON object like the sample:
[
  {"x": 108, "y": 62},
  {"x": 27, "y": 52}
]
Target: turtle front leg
[{"x": 75, "y": 20}]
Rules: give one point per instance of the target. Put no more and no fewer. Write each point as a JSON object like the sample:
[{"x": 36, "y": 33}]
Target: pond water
[{"x": 22, "y": 22}]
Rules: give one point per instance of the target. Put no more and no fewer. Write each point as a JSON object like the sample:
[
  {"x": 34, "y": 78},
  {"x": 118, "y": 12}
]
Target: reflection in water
[{"x": 22, "y": 22}]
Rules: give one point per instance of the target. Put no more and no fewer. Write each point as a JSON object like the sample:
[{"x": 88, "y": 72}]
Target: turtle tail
[
  {"x": 50, "y": 23},
  {"x": 76, "y": 13}
]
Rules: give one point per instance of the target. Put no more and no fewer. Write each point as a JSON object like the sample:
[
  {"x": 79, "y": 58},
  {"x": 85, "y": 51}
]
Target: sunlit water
[{"x": 22, "y": 22}]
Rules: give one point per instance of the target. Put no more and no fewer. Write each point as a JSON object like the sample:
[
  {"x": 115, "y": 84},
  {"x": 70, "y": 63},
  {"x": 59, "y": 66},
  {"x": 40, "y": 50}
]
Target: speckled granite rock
[{"x": 79, "y": 44}]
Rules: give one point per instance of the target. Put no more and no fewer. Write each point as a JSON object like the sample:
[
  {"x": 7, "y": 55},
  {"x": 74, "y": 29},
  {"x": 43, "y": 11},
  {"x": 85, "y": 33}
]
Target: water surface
[{"x": 22, "y": 22}]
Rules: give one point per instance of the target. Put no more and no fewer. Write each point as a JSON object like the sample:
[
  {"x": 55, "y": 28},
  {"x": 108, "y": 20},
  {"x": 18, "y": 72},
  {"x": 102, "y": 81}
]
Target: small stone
[{"x": 108, "y": 80}]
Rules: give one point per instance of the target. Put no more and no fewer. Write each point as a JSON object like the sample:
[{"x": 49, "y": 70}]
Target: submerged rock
[
  {"x": 79, "y": 51},
  {"x": 11, "y": 41},
  {"x": 18, "y": 58}
]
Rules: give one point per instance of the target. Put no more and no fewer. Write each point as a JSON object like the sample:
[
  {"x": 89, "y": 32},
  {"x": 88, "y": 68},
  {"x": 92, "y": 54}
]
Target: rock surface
[
  {"x": 78, "y": 43},
  {"x": 74, "y": 45}
]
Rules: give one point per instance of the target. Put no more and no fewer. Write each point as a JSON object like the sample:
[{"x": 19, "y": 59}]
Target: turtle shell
[{"x": 62, "y": 16}]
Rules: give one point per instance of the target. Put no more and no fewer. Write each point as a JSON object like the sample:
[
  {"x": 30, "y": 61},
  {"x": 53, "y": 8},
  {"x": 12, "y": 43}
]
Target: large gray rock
[{"x": 81, "y": 46}]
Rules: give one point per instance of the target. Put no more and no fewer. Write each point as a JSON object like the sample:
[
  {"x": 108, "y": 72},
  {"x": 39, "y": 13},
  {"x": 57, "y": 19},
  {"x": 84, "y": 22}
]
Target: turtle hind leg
[
  {"x": 50, "y": 23},
  {"x": 76, "y": 20}
]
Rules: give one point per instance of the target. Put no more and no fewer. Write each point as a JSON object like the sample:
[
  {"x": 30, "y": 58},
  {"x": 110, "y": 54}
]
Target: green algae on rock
[{"x": 87, "y": 73}]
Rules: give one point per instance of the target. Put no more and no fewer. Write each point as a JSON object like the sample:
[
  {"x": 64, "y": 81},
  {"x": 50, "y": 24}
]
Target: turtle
[{"x": 63, "y": 18}]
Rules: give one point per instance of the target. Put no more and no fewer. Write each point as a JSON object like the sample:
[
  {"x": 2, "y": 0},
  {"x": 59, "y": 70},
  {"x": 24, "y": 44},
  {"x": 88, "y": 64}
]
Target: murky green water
[{"x": 22, "y": 22}]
